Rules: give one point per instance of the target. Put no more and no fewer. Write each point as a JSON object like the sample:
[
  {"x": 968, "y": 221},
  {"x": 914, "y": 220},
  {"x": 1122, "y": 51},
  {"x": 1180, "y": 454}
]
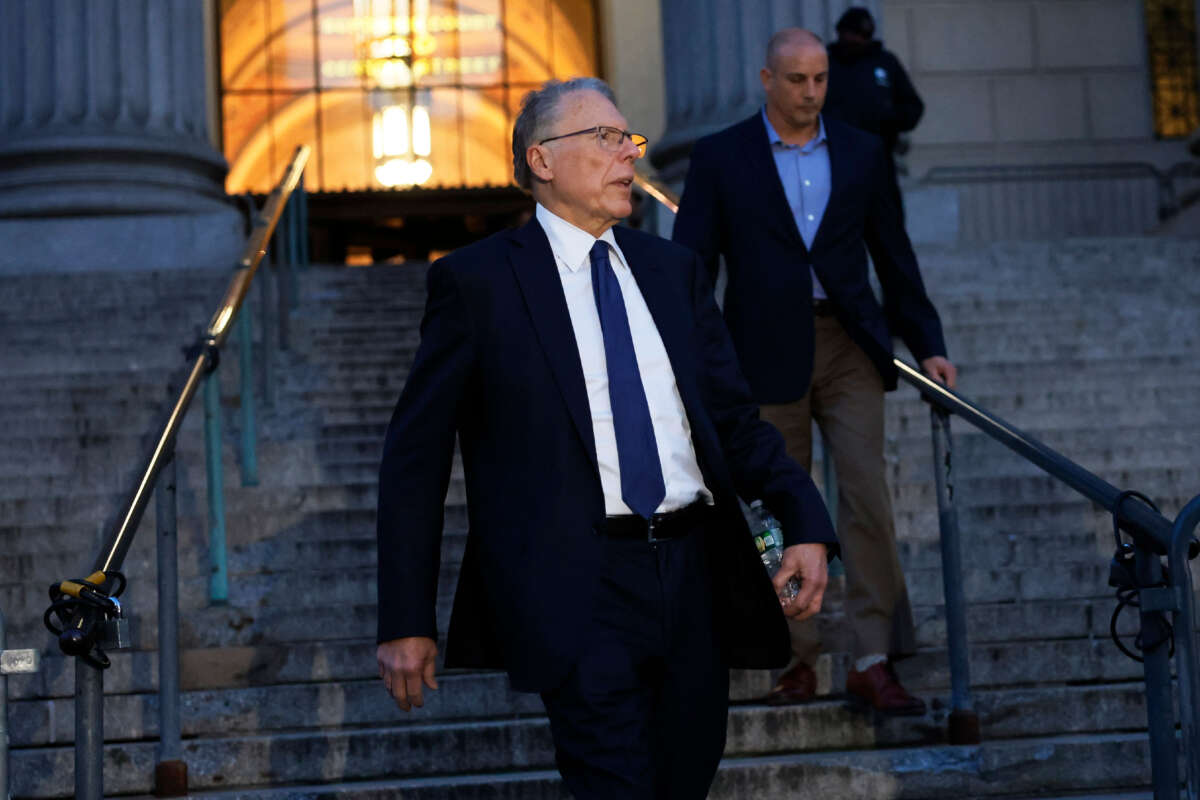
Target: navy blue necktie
[{"x": 642, "y": 486}]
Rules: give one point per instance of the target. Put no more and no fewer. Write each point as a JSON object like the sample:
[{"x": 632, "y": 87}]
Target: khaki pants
[{"x": 846, "y": 400}]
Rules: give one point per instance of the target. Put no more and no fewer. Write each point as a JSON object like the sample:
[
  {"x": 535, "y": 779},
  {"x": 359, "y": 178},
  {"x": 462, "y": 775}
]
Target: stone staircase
[{"x": 1088, "y": 345}]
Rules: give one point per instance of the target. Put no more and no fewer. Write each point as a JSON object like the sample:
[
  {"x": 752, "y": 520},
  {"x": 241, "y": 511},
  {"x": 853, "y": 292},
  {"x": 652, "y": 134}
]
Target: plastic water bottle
[{"x": 768, "y": 538}]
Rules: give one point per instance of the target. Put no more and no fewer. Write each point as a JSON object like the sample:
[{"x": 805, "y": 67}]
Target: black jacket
[
  {"x": 734, "y": 206},
  {"x": 498, "y": 366},
  {"x": 869, "y": 89}
]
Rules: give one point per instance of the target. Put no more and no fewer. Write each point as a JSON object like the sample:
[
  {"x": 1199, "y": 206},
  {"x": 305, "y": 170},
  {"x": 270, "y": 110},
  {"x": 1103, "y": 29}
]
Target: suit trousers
[
  {"x": 845, "y": 398},
  {"x": 642, "y": 714}
]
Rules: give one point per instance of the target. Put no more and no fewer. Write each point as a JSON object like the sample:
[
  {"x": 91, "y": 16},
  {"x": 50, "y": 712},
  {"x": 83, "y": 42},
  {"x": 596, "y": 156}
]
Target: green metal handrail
[
  {"x": 95, "y": 616},
  {"x": 113, "y": 553}
]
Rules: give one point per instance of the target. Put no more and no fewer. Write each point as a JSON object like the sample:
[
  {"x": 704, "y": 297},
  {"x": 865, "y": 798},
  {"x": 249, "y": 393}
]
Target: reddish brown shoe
[
  {"x": 797, "y": 685},
  {"x": 878, "y": 688}
]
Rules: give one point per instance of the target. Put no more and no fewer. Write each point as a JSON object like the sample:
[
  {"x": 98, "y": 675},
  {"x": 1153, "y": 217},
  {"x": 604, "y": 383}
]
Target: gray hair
[{"x": 539, "y": 111}]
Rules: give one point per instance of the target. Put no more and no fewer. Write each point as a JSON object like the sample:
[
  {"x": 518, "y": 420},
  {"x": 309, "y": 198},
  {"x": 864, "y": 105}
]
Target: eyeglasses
[{"x": 610, "y": 138}]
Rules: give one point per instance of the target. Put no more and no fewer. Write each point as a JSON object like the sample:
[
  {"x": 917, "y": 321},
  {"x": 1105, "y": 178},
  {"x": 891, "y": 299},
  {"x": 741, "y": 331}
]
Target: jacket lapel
[
  {"x": 764, "y": 173},
  {"x": 533, "y": 265}
]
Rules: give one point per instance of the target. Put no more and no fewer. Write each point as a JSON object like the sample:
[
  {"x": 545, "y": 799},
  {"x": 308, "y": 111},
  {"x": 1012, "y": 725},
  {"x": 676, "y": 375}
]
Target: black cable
[
  {"x": 81, "y": 620},
  {"x": 1123, "y": 577}
]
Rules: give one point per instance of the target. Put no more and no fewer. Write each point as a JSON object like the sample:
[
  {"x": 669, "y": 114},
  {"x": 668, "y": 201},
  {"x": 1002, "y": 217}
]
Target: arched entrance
[{"x": 391, "y": 94}]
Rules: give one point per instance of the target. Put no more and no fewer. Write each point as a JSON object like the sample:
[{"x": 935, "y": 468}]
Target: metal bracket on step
[{"x": 20, "y": 662}]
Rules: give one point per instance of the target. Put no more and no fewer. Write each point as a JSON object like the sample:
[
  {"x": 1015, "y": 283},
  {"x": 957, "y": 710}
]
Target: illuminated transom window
[{"x": 389, "y": 93}]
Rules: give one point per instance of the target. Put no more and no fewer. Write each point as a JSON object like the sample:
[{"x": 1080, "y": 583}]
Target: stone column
[
  {"x": 712, "y": 52},
  {"x": 105, "y": 158}
]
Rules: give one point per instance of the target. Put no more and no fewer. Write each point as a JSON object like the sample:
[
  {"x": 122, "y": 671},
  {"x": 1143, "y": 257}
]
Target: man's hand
[
  {"x": 940, "y": 369},
  {"x": 404, "y": 664},
  {"x": 808, "y": 563}
]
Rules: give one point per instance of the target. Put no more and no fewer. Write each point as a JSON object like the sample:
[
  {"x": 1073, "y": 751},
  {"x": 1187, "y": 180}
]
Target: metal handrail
[
  {"x": 1153, "y": 536},
  {"x": 1137, "y": 519},
  {"x": 97, "y": 618},
  {"x": 113, "y": 554}
]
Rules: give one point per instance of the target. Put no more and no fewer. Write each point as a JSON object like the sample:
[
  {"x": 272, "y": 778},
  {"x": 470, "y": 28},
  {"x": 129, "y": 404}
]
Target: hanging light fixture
[{"x": 401, "y": 136}]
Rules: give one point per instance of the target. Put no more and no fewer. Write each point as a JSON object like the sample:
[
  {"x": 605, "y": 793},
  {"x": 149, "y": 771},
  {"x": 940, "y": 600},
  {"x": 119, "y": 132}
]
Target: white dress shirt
[{"x": 672, "y": 432}]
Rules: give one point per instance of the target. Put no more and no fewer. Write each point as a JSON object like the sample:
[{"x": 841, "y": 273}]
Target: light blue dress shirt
[{"x": 804, "y": 172}]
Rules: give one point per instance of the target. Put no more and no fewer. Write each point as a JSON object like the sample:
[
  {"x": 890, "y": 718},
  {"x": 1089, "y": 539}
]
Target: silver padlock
[{"x": 116, "y": 634}]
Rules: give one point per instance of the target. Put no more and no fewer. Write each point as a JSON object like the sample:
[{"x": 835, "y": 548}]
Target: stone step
[
  {"x": 1030, "y": 663},
  {"x": 1068, "y": 763},
  {"x": 820, "y": 725},
  {"x": 992, "y": 491},
  {"x": 1158, "y": 403},
  {"x": 101, "y": 464},
  {"x": 998, "y": 380},
  {"x": 348, "y": 540},
  {"x": 391, "y": 359},
  {"x": 301, "y": 499},
  {"x": 482, "y": 702},
  {"x": 356, "y": 586},
  {"x": 543, "y": 785},
  {"x": 1063, "y": 316},
  {"x": 244, "y": 526},
  {"x": 259, "y": 614}
]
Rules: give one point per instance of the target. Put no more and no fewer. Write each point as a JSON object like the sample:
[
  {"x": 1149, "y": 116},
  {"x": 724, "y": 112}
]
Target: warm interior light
[
  {"x": 393, "y": 130},
  {"x": 401, "y": 172},
  {"x": 422, "y": 140}
]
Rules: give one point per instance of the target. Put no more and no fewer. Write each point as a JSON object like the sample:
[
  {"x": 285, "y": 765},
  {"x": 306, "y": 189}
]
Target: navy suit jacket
[
  {"x": 499, "y": 366},
  {"x": 734, "y": 205}
]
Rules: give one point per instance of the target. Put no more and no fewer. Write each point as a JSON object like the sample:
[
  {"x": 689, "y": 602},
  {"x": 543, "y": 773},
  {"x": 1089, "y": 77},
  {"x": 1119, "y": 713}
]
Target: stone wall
[{"x": 1027, "y": 81}]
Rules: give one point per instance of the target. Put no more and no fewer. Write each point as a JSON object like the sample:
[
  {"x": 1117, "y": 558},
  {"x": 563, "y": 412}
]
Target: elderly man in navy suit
[
  {"x": 793, "y": 201},
  {"x": 606, "y": 434}
]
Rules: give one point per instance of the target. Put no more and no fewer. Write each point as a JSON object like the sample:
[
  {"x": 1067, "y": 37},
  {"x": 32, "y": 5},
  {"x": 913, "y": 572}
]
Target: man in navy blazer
[
  {"x": 606, "y": 434},
  {"x": 793, "y": 201}
]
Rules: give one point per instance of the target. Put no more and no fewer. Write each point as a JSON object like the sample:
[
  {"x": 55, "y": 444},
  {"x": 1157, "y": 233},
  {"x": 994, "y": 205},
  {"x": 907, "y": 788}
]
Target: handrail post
[
  {"x": 963, "y": 724},
  {"x": 279, "y": 260},
  {"x": 77, "y": 634},
  {"x": 12, "y": 662},
  {"x": 293, "y": 232},
  {"x": 218, "y": 585},
  {"x": 1160, "y": 704},
  {"x": 170, "y": 773},
  {"x": 1186, "y": 666},
  {"x": 249, "y": 437},
  {"x": 829, "y": 476},
  {"x": 89, "y": 731},
  {"x": 4, "y": 793},
  {"x": 268, "y": 335},
  {"x": 302, "y": 206}
]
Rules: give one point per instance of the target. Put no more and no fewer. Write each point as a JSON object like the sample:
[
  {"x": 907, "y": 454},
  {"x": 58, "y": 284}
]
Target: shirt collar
[
  {"x": 775, "y": 141},
  {"x": 571, "y": 245}
]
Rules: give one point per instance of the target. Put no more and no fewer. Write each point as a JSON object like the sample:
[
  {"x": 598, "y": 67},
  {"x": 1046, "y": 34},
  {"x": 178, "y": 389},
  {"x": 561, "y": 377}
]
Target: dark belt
[
  {"x": 822, "y": 308},
  {"x": 670, "y": 525}
]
